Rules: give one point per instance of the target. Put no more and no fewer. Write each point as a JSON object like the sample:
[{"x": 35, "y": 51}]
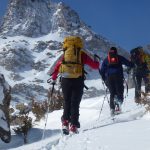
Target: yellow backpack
[{"x": 72, "y": 66}]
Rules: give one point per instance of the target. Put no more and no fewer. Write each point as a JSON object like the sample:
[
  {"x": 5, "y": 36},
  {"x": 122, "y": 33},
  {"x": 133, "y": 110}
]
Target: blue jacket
[{"x": 107, "y": 70}]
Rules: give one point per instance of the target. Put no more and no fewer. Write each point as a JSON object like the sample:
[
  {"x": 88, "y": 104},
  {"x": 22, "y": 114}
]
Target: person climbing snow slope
[
  {"x": 112, "y": 74},
  {"x": 71, "y": 69}
]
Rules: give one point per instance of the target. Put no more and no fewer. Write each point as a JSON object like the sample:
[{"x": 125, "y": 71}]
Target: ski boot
[
  {"x": 65, "y": 127},
  {"x": 73, "y": 129},
  {"x": 118, "y": 108},
  {"x": 112, "y": 112}
]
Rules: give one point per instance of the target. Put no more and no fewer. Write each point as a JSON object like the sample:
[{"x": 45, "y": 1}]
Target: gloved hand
[{"x": 51, "y": 81}]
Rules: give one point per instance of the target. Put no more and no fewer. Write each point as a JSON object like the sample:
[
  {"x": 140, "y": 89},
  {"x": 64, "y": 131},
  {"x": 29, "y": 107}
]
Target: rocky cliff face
[
  {"x": 34, "y": 18},
  {"x": 5, "y": 98},
  {"x": 27, "y": 17}
]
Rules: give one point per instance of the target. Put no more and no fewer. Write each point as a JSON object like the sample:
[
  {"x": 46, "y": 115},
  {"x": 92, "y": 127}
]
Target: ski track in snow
[
  {"x": 95, "y": 128},
  {"x": 118, "y": 119},
  {"x": 127, "y": 116}
]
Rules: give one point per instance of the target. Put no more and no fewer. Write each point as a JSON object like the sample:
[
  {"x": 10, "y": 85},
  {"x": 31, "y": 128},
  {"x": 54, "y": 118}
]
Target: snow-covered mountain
[
  {"x": 33, "y": 18},
  {"x": 30, "y": 40}
]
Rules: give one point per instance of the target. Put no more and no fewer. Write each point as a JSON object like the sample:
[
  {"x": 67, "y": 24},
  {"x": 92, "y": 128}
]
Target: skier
[
  {"x": 140, "y": 71},
  {"x": 71, "y": 69},
  {"x": 112, "y": 74}
]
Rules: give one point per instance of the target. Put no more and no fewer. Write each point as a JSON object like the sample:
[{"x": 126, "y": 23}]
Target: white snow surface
[{"x": 129, "y": 131}]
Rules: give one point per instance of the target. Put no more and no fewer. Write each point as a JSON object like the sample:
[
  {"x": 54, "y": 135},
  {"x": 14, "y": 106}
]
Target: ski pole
[
  {"x": 104, "y": 96},
  {"x": 127, "y": 88},
  {"x": 102, "y": 107},
  {"x": 103, "y": 100},
  {"x": 49, "y": 100},
  {"x": 106, "y": 89}
]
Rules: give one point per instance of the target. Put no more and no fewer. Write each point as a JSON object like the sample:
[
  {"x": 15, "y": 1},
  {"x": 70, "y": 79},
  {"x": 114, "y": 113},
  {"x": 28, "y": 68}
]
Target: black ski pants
[
  {"x": 138, "y": 83},
  {"x": 72, "y": 89},
  {"x": 116, "y": 88}
]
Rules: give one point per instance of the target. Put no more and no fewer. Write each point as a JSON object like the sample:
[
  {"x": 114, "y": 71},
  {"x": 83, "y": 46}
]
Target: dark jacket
[{"x": 107, "y": 70}]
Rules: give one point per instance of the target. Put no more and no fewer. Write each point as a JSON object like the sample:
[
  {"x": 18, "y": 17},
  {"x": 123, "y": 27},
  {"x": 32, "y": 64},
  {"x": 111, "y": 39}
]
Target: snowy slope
[
  {"x": 130, "y": 130},
  {"x": 25, "y": 62},
  {"x": 25, "y": 65}
]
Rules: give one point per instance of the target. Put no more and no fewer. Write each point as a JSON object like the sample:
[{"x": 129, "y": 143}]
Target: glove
[{"x": 51, "y": 81}]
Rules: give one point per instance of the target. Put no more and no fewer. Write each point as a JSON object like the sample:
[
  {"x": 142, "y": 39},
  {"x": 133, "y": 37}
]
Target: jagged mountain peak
[
  {"x": 30, "y": 18},
  {"x": 34, "y": 18}
]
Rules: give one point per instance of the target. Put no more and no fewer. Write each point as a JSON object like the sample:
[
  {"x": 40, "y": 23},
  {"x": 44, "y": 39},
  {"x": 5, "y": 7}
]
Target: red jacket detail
[{"x": 86, "y": 60}]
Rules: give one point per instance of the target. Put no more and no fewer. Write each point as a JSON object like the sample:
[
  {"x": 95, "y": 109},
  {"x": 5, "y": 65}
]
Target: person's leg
[
  {"x": 148, "y": 88},
  {"x": 119, "y": 93},
  {"x": 146, "y": 82},
  {"x": 78, "y": 85},
  {"x": 119, "y": 88},
  {"x": 67, "y": 93},
  {"x": 137, "y": 82},
  {"x": 112, "y": 90}
]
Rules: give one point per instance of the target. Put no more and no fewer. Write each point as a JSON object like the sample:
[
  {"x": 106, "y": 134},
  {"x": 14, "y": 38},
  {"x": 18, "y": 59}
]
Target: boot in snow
[
  {"x": 112, "y": 112},
  {"x": 65, "y": 127},
  {"x": 118, "y": 108},
  {"x": 73, "y": 129}
]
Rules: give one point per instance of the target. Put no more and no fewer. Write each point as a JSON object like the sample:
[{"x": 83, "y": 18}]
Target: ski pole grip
[{"x": 49, "y": 80}]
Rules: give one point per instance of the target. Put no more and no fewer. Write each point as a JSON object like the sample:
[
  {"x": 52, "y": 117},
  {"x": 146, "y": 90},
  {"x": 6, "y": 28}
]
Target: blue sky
[{"x": 125, "y": 22}]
